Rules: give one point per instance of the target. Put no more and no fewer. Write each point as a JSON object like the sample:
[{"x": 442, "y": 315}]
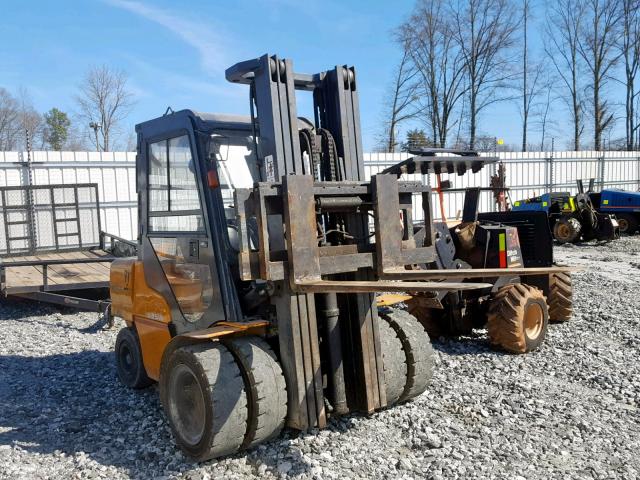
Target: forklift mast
[{"x": 273, "y": 84}]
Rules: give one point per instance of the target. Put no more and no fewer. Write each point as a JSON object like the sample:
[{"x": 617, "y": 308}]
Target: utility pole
[{"x": 96, "y": 126}]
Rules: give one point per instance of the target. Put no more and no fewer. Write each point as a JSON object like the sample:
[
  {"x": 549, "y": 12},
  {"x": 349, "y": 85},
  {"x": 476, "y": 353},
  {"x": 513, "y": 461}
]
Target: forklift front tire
[
  {"x": 204, "y": 398},
  {"x": 393, "y": 360},
  {"x": 518, "y": 318},
  {"x": 129, "y": 363},
  {"x": 417, "y": 349},
  {"x": 265, "y": 387}
]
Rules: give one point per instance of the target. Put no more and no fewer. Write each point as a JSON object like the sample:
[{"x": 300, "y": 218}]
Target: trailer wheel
[
  {"x": 560, "y": 298},
  {"x": 417, "y": 350},
  {"x": 567, "y": 230},
  {"x": 429, "y": 319},
  {"x": 628, "y": 224},
  {"x": 518, "y": 318},
  {"x": 265, "y": 387},
  {"x": 129, "y": 365},
  {"x": 394, "y": 361},
  {"x": 204, "y": 398}
]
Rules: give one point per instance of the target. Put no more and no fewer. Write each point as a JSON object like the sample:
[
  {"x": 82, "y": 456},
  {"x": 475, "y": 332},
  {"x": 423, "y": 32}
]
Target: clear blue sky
[{"x": 176, "y": 52}]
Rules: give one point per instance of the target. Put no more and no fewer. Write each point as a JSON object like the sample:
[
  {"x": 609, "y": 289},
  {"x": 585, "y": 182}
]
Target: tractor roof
[{"x": 441, "y": 160}]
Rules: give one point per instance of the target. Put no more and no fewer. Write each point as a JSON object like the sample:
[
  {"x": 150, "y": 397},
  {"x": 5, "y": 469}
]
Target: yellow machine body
[{"x": 149, "y": 313}]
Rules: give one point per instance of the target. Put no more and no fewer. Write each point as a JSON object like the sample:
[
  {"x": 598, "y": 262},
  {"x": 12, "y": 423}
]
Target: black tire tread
[
  {"x": 228, "y": 399},
  {"x": 129, "y": 335},
  {"x": 393, "y": 360},
  {"x": 417, "y": 348},
  {"x": 265, "y": 386}
]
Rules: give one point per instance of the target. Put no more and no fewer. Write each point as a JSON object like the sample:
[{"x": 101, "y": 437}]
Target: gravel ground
[{"x": 569, "y": 410}]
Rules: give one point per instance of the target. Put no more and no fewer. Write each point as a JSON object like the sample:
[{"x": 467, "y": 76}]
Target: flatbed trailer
[{"x": 52, "y": 248}]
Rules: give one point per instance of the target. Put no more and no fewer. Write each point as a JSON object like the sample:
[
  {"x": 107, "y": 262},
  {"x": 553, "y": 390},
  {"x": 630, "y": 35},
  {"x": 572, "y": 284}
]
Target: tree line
[
  {"x": 103, "y": 101},
  {"x": 461, "y": 57}
]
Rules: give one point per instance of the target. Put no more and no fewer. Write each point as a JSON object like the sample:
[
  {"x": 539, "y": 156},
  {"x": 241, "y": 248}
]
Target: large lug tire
[
  {"x": 560, "y": 299},
  {"x": 417, "y": 350},
  {"x": 129, "y": 364},
  {"x": 628, "y": 224},
  {"x": 567, "y": 230},
  {"x": 430, "y": 320},
  {"x": 265, "y": 387},
  {"x": 394, "y": 361},
  {"x": 204, "y": 398},
  {"x": 518, "y": 317}
]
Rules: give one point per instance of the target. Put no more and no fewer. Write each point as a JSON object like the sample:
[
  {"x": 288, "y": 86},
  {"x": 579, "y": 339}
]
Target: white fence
[
  {"x": 528, "y": 174},
  {"x": 114, "y": 172}
]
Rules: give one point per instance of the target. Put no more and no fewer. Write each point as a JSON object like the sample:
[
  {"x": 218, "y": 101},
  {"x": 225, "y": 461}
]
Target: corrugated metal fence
[
  {"x": 528, "y": 174},
  {"x": 114, "y": 172}
]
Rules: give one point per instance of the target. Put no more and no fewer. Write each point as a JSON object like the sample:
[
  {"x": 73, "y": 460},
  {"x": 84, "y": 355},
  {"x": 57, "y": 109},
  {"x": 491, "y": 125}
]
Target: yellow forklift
[{"x": 261, "y": 249}]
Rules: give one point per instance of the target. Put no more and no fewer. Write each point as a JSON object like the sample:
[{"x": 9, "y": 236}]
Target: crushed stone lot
[{"x": 568, "y": 410}]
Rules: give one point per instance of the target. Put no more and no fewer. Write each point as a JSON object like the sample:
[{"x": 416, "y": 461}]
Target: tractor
[
  {"x": 573, "y": 218},
  {"x": 513, "y": 251}
]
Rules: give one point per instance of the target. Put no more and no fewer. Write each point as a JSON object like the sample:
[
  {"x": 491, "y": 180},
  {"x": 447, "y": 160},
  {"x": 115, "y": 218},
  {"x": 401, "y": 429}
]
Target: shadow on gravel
[
  {"x": 14, "y": 308},
  {"x": 64, "y": 405}
]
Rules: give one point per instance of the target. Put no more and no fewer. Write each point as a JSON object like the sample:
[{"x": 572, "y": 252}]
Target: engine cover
[{"x": 493, "y": 246}]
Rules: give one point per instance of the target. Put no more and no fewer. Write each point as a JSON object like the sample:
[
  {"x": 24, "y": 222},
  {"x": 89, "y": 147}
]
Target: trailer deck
[
  {"x": 52, "y": 247},
  {"x": 59, "y": 271}
]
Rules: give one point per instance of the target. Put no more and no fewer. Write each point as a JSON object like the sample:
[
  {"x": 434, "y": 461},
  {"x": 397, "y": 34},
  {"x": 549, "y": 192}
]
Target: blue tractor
[
  {"x": 573, "y": 217},
  {"x": 623, "y": 204}
]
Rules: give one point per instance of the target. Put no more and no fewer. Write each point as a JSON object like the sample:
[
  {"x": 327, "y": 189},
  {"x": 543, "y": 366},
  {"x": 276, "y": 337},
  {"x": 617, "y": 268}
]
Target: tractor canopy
[{"x": 440, "y": 160}]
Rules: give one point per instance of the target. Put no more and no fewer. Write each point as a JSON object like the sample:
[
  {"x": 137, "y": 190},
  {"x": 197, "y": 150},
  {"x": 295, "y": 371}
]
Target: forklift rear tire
[
  {"x": 518, "y": 318},
  {"x": 560, "y": 298},
  {"x": 417, "y": 349},
  {"x": 567, "y": 230},
  {"x": 204, "y": 398},
  {"x": 628, "y": 224},
  {"x": 394, "y": 361},
  {"x": 129, "y": 365},
  {"x": 265, "y": 387}
]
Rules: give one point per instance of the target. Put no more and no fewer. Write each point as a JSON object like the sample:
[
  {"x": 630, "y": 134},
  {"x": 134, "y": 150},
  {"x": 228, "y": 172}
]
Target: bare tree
[
  {"x": 484, "y": 30},
  {"x": 599, "y": 37},
  {"x": 9, "y": 120},
  {"x": 531, "y": 76},
  {"x": 438, "y": 59},
  {"x": 105, "y": 102},
  {"x": 30, "y": 122},
  {"x": 543, "y": 109},
  {"x": 562, "y": 37},
  {"x": 629, "y": 46},
  {"x": 402, "y": 101}
]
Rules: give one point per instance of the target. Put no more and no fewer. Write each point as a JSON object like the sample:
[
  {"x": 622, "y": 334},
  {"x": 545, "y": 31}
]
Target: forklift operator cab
[{"x": 180, "y": 217}]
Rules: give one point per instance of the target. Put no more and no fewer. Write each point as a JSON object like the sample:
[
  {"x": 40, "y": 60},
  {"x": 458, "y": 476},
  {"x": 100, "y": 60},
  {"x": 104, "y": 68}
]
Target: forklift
[{"x": 261, "y": 249}]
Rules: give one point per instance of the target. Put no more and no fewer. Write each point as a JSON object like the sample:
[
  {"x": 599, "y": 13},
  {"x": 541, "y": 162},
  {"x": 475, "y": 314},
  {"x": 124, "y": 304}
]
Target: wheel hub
[
  {"x": 623, "y": 225},
  {"x": 533, "y": 320},
  {"x": 564, "y": 231},
  {"x": 126, "y": 359},
  {"x": 186, "y": 404}
]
